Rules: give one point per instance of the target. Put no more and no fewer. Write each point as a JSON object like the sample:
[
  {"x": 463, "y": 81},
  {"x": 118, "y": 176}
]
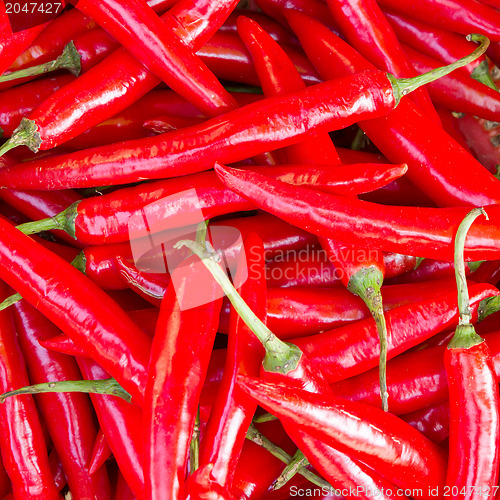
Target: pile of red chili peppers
[{"x": 250, "y": 250}]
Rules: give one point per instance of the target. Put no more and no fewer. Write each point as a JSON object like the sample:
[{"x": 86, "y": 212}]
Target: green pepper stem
[
  {"x": 298, "y": 462},
  {"x": 465, "y": 335},
  {"x": 63, "y": 221},
  {"x": 108, "y": 386},
  {"x": 265, "y": 417},
  {"x": 69, "y": 59},
  {"x": 366, "y": 284},
  {"x": 12, "y": 299},
  {"x": 26, "y": 134},
  {"x": 280, "y": 356},
  {"x": 481, "y": 73},
  {"x": 194, "y": 447},
  {"x": 403, "y": 86},
  {"x": 255, "y": 436}
]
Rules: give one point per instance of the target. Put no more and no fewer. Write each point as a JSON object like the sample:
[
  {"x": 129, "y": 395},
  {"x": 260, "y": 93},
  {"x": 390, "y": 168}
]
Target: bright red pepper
[
  {"x": 252, "y": 129},
  {"x": 77, "y": 306},
  {"x": 175, "y": 378},
  {"x": 365, "y": 27},
  {"x": 432, "y": 156},
  {"x": 361, "y": 222},
  {"x": 100, "y": 452},
  {"x": 21, "y": 439},
  {"x": 68, "y": 416},
  {"x": 378, "y": 439}
]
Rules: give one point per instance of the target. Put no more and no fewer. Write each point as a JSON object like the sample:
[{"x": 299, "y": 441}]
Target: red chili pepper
[
  {"x": 330, "y": 216},
  {"x": 437, "y": 43},
  {"x": 146, "y": 38},
  {"x": 227, "y": 57},
  {"x": 69, "y": 417},
  {"x": 170, "y": 203},
  {"x": 416, "y": 379},
  {"x": 175, "y": 378},
  {"x": 94, "y": 46},
  {"x": 456, "y": 15},
  {"x": 237, "y": 135},
  {"x": 432, "y": 422},
  {"x": 353, "y": 349},
  {"x": 365, "y": 27},
  {"x": 231, "y": 414},
  {"x": 100, "y": 452},
  {"x": 120, "y": 70},
  {"x": 49, "y": 44},
  {"x": 21, "y": 100},
  {"x": 77, "y": 306},
  {"x": 378, "y": 439},
  {"x": 404, "y": 133},
  {"x": 121, "y": 423},
  {"x": 21, "y": 439},
  {"x": 474, "y": 401}
]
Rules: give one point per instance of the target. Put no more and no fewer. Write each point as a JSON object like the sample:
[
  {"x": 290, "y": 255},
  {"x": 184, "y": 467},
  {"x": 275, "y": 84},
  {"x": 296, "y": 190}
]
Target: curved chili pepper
[
  {"x": 146, "y": 38},
  {"x": 68, "y": 417},
  {"x": 365, "y": 27},
  {"x": 231, "y": 414},
  {"x": 237, "y": 135},
  {"x": 456, "y": 15},
  {"x": 121, "y": 423},
  {"x": 21, "y": 439},
  {"x": 361, "y": 222},
  {"x": 94, "y": 46},
  {"x": 77, "y": 306},
  {"x": 378, "y": 439},
  {"x": 169, "y": 203},
  {"x": 404, "y": 133},
  {"x": 227, "y": 57},
  {"x": 95, "y": 91},
  {"x": 175, "y": 379},
  {"x": 474, "y": 400},
  {"x": 458, "y": 91}
]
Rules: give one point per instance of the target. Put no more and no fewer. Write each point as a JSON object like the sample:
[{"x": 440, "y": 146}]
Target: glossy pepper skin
[
  {"x": 379, "y": 439},
  {"x": 121, "y": 423},
  {"x": 146, "y": 38},
  {"x": 170, "y": 203},
  {"x": 353, "y": 349},
  {"x": 24, "y": 452},
  {"x": 176, "y": 373},
  {"x": 474, "y": 421},
  {"x": 457, "y": 15},
  {"x": 77, "y": 306},
  {"x": 357, "y": 222},
  {"x": 365, "y": 27},
  {"x": 237, "y": 135},
  {"x": 432, "y": 156},
  {"x": 232, "y": 412},
  {"x": 68, "y": 416},
  {"x": 120, "y": 80}
]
